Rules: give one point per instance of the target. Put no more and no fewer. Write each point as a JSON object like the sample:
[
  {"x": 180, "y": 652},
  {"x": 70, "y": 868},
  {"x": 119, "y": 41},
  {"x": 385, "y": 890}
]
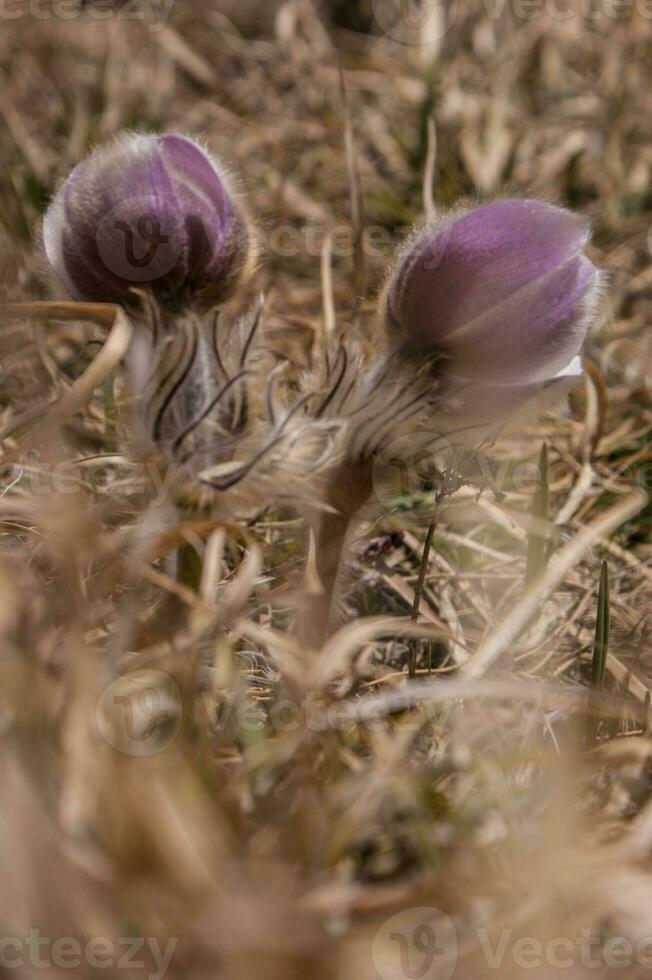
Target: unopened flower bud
[
  {"x": 147, "y": 211},
  {"x": 504, "y": 292}
]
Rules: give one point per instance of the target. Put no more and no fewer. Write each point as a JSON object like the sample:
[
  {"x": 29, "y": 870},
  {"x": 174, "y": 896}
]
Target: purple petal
[
  {"x": 145, "y": 211},
  {"x": 531, "y": 335},
  {"x": 505, "y": 290},
  {"x": 484, "y": 405},
  {"x": 216, "y": 232}
]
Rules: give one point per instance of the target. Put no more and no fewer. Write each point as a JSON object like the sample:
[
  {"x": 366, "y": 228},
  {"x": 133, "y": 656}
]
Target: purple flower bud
[
  {"x": 147, "y": 211},
  {"x": 504, "y": 292}
]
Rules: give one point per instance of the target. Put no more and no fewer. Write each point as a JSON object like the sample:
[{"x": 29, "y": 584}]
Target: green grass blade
[
  {"x": 600, "y": 646},
  {"x": 537, "y": 546}
]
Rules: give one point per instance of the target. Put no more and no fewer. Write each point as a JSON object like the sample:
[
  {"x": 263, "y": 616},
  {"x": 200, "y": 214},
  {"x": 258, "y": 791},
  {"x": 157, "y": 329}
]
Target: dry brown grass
[{"x": 289, "y": 803}]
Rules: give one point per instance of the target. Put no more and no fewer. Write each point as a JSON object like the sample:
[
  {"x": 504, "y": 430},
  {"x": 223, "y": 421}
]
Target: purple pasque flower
[
  {"x": 147, "y": 211},
  {"x": 505, "y": 293}
]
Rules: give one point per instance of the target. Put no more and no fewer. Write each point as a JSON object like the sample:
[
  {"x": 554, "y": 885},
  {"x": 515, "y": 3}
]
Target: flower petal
[
  {"x": 505, "y": 291},
  {"x": 144, "y": 211}
]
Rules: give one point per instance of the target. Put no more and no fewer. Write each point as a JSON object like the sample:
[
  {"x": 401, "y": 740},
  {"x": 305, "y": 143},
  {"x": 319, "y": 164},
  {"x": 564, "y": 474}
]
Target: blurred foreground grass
[{"x": 174, "y": 765}]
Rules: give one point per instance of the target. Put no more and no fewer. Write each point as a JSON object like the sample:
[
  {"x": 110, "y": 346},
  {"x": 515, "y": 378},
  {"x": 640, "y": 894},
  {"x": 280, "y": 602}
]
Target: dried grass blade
[
  {"x": 559, "y": 566},
  {"x": 112, "y": 352},
  {"x": 537, "y": 538},
  {"x": 337, "y": 652}
]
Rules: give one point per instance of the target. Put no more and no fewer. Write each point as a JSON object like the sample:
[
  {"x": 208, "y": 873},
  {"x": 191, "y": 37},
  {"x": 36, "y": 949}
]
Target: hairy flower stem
[{"x": 349, "y": 489}]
